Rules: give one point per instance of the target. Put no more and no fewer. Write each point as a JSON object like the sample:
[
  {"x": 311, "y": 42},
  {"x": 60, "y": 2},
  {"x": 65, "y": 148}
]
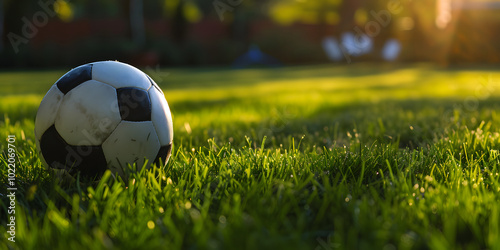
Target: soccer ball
[{"x": 103, "y": 115}]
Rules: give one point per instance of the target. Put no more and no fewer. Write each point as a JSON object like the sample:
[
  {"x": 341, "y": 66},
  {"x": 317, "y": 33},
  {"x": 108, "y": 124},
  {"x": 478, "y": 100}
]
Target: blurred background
[{"x": 242, "y": 33}]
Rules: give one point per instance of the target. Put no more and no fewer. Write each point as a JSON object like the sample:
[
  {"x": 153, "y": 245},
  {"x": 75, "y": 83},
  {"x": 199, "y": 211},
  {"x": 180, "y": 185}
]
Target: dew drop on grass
[
  {"x": 222, "y": 219},
  {"x": 434, "y": 208},
  {"x": 195, "y": 214},
  {"x": 348, "y": 198}
]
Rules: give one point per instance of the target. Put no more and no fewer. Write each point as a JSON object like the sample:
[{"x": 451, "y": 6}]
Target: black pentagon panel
[
  {"x": 74, "y": 78},
  {"x": 134, "y": 104},
  {"x": 163, "y": 155},
  {"x": 89, "y": 160},
  {"x": 153, "y": 83}
]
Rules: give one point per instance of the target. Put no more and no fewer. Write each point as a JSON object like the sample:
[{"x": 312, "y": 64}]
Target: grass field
[{"x": 312, "y": 157}]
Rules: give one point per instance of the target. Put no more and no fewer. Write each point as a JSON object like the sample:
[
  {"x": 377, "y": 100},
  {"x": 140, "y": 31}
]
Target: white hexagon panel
[
  {"x": 161, "y": 116},
  {"x": 88, "y": 114},
  {"x": 47, "y": 112},
  {"x": 131, "y": 142},
  {"x": 119, "y": 75}
]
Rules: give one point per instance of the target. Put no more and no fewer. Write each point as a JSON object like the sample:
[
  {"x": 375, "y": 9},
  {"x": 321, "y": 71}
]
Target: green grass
[{"x": 317, "y": 157}]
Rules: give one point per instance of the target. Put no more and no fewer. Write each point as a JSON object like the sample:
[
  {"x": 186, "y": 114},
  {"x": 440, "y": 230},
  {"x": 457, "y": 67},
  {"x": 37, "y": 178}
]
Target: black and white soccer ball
[{"x": 103, "y": 115}]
